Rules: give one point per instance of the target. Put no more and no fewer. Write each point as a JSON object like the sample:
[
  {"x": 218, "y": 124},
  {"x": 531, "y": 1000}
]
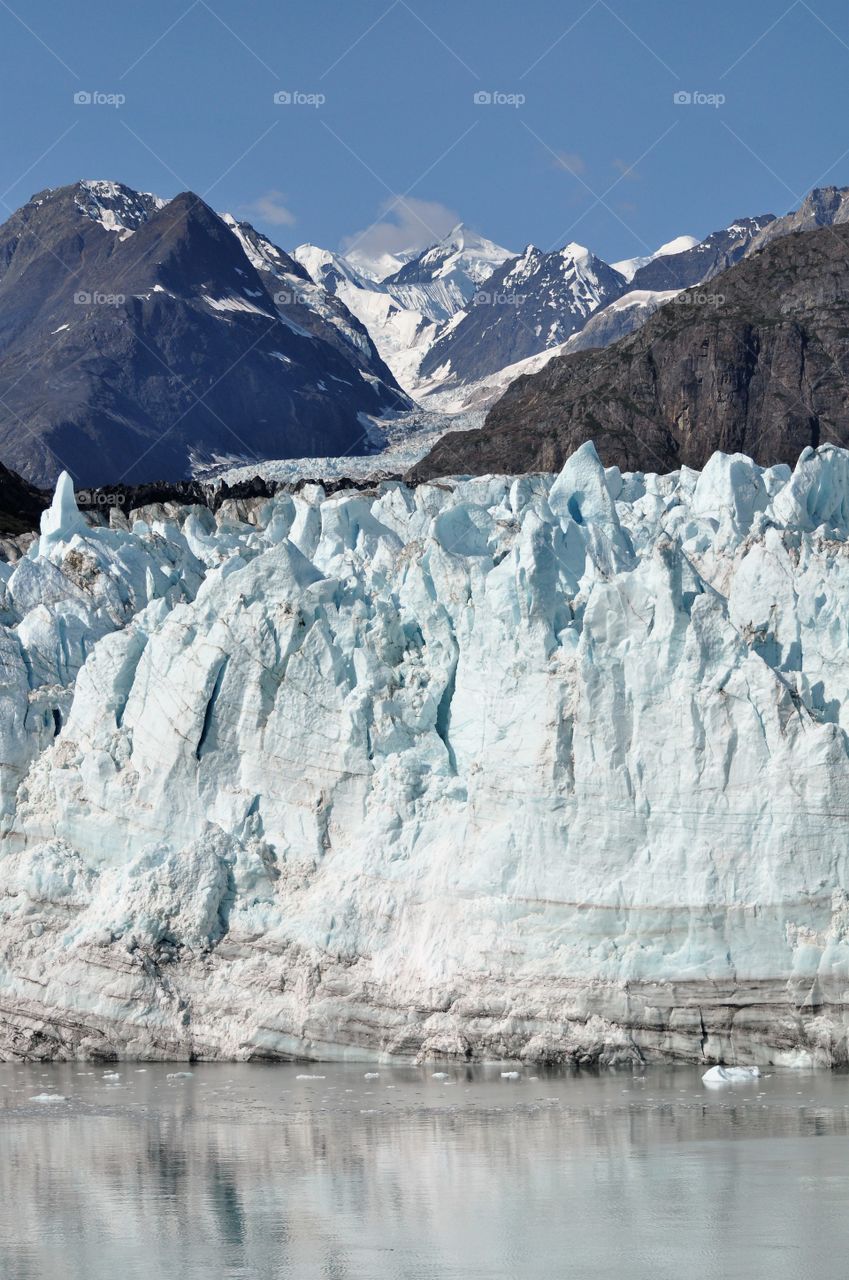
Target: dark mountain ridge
[
  {"x": 757, "y": 364},
  {"x": 136, "y": 335}
]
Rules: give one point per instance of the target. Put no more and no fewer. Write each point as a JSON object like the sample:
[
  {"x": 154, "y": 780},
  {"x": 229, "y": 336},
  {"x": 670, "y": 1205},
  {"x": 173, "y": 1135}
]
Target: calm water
[{"x": 249, "y": 1171}]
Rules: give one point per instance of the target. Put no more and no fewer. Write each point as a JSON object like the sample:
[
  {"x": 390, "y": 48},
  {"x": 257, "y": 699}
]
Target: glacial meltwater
[{"x": 135, "y": 1171}]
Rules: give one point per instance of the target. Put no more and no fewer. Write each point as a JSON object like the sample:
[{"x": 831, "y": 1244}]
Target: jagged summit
[
  {"x": 531, "y": 302},
  {"x": 139, "y": 337}
]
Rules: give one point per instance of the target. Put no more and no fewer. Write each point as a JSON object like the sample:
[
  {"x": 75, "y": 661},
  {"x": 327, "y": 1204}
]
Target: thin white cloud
[
  {"x": 403, "y": 224},
  {"x": 270, "y": 209},
  {"x": 569, "y": 160},
  {"x": 626, "y": 171}
]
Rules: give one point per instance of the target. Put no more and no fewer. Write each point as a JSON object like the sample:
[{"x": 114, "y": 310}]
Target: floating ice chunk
[
  {"x": 62, "y": 519},
  {"x": 111, "y": 1075},
  {"x": 729, "y": 1075},
  {"x": 511, "y": 1075},
  {"x": 179, "y": 1075},
  {"x": 439, "y": 1075},
  {"x": 371, "y": 1075},
  {"x": 310, "y": 1077},
  {"x": 48, "y": 1097}
]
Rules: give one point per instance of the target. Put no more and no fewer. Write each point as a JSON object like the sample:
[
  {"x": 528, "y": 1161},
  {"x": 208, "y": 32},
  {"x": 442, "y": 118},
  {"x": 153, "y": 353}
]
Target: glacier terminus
[{"x": 552, "y": 768}]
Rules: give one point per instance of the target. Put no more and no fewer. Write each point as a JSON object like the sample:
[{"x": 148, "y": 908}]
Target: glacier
[{"x": 551, "y": 768}]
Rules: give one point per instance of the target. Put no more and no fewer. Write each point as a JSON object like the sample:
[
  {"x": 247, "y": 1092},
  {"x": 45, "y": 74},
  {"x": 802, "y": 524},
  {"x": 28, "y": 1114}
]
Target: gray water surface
[{"x": 249, "y": 1171}]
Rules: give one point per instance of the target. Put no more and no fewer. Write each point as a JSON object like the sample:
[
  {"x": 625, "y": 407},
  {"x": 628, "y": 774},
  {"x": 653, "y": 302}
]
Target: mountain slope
[
  {"x": 619, "y": 318},
  {"x": 136, "y": 335},
  {"x": 822, "y": 207},
  {"x": 530, "y": 303},
  {"x": 400, "y": 334},
  {"x": 406, "y": 311},
  {"x": 21, "y": 504},
  {"x": 718, "y": 251},
  {"x": 628, "y": 267},
  {"x": 762, "y": 372},
  {"x": 444, "y": 278}
]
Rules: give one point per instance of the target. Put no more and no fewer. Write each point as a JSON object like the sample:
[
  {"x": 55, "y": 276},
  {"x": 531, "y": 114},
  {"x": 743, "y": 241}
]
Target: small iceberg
[
  {"x": 511, "y": 1075},
  {"x": 729, "y": 1075},
  {"x": 179, "y": 1075},
  {"x": 48, "y": 1097},
  {"x": 439, "y": 1075}
]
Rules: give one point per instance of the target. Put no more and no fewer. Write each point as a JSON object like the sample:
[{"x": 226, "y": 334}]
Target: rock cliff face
[
  {"x": 822, "y": 207},
  {"x": 554, "y": 768},
  {"x": 755, "y": 361}
]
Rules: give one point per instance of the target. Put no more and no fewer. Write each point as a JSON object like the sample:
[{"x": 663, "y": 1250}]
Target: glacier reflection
[{"x": 248, "y": 1171}]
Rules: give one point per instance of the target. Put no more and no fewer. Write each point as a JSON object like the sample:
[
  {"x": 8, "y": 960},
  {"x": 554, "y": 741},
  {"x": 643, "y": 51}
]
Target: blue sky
[{"x": 598, "y": 151}]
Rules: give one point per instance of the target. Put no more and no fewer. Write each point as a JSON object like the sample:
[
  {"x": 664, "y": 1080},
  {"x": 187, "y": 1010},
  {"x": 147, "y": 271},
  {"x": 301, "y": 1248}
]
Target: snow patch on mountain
[{"x": 116, "y": 207}]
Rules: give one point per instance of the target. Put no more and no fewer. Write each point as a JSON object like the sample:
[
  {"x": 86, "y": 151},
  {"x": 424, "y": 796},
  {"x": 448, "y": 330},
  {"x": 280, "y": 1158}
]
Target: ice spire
[{"x": 62, "y": 518}]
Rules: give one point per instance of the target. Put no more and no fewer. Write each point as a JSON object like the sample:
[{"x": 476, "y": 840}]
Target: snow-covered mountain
[
  {"x": 377, "y": 266},
  {"x": 684, "y": 267},
  {"x": 529, "y": 304},
  {"x": 137, "y": 336},
  {"x": 404, "y": 311},
  {"x": 444, "y": 278},
  {"x": 400, "y": 335},
  {"x": 628, "y": 267},
  {"x": 459, "y": 321},
  {"x": 314, "y": 345},
  {"x": 546, "y": 767}
]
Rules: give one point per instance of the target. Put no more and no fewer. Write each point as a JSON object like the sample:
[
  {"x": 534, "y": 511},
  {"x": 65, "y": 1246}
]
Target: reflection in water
[{"x": 249, "y": 1172}]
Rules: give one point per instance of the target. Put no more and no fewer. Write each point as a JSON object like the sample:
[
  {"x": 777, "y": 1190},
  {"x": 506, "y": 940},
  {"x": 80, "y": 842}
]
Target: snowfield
[{"x": 541, "y": 768}]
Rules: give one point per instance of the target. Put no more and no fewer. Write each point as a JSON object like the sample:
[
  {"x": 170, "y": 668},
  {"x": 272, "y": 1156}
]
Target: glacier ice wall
[{"x": 552, "y": 767}]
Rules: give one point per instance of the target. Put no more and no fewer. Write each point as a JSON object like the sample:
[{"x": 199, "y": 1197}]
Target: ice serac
[
  {"x": 538, "y": 767},
  {"x": 62, "y": 518}
]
